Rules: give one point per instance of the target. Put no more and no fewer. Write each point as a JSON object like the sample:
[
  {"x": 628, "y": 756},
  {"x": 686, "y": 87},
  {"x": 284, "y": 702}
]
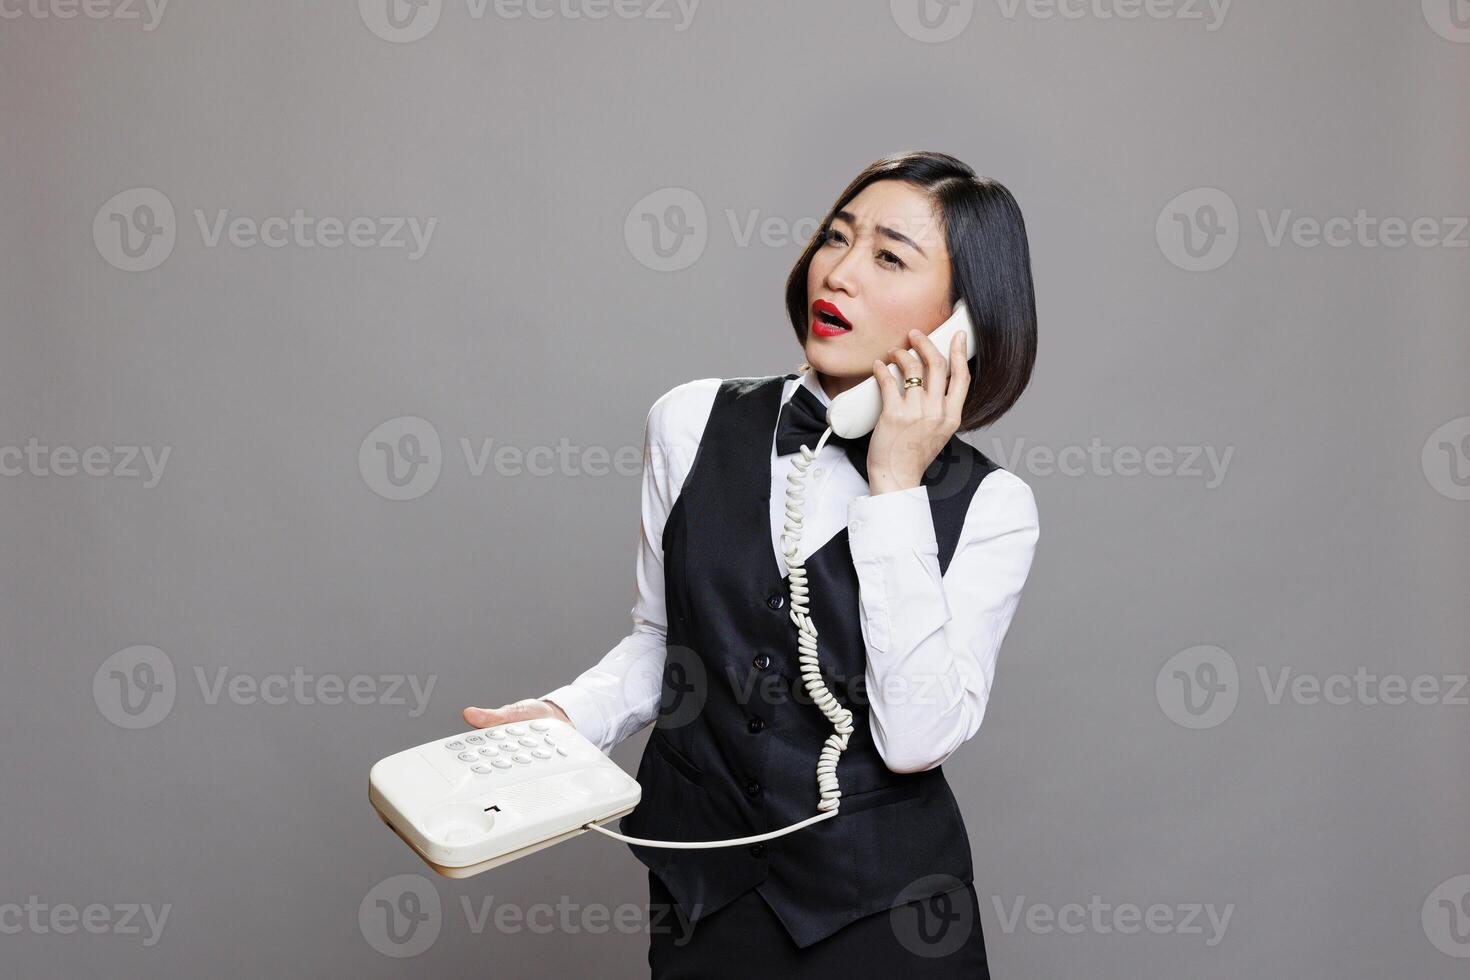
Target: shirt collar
[{"x": 807, "y": 380}]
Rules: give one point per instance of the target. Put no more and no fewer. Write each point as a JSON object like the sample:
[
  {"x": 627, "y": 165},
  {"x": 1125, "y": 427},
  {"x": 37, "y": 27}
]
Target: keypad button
[
  {"x": 549, "y": 740},
  {"x": 481, "y": 768},
  {"x": 560, "y": 750},
  {"x": 474, "y": 739},
  {"x": 515, "y": 730},
  {"x": 500, "y": 764},
  {"x": 489, "y": 751},
  {"x": 497, "y": 734},
  {"x": 466, "y": 757},
  {"x": 454, "y": 746},
  {"x": 541, "y": 753},
  {"x": 521, "y": 758},
  {"x": 529, "y": 743},
  {"x": 540, "y": 726}
]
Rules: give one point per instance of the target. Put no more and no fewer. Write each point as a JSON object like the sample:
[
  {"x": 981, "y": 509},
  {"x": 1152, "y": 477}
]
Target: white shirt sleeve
[
  {"x": 933, "y": 640},
  {"x": 619, "y": 695}
]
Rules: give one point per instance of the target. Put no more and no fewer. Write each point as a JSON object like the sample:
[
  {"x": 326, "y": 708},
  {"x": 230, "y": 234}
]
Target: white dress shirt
[{"x": 932, "y": 640}]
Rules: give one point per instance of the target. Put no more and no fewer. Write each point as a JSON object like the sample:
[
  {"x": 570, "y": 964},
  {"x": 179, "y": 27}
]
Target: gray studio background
[{"x": 1194, "y": 711}]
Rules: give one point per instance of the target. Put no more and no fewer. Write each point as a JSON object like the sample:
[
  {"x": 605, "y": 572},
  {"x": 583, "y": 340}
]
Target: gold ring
[{"x": 913, "y": 383}]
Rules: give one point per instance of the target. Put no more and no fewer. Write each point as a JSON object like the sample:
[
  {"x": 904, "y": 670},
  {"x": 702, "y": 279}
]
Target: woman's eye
[
  {"x": 891, "y": 260},
  {"x": 832, "y": 235}
]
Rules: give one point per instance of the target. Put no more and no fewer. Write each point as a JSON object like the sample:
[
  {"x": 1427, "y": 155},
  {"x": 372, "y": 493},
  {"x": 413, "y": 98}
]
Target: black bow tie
[{"x": 803, "y": 419}]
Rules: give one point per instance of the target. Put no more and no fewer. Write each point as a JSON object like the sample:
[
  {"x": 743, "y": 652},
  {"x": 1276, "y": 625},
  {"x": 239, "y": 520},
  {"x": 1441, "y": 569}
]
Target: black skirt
[{"x": 927, "y": 939}]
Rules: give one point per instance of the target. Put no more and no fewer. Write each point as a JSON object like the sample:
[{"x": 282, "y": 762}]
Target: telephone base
[{"x": 470, "y": 870}]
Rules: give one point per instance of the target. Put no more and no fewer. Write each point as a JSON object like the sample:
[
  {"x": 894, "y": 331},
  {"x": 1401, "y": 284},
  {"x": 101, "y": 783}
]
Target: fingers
[
  {"x": 959, "y": 378},
  {"x": 483, "y": 717},
  {"x": 518, "y": 711},
  {"x": 886, "y": 385},
  {"x": 910, "y": 366},
  {"x": 934, "y": 368}
]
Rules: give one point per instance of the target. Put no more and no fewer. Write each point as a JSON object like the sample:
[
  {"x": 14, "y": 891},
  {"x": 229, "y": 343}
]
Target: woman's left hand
[{"x": 916, "y": 422}]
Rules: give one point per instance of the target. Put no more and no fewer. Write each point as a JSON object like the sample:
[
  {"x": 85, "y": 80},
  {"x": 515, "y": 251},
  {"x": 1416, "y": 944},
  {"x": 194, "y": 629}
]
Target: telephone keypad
[{"x": 504, "y": 748}]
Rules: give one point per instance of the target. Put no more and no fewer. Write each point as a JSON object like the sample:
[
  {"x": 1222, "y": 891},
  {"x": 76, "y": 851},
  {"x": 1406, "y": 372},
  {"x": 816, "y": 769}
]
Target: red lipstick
[{"x": 828, "y": 321}]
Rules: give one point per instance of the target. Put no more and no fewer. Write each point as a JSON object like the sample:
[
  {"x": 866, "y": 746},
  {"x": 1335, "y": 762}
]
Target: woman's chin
[{"x": 841, "y": 368}]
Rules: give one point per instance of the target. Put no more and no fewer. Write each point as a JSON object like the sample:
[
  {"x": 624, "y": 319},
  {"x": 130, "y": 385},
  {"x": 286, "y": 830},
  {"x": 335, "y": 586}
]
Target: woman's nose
[{"x": 842, "y": 276}]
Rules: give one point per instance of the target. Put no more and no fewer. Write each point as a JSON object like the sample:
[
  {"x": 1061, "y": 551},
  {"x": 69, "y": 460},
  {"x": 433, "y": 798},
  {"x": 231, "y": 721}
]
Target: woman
[{"x": 917, "y": 547}]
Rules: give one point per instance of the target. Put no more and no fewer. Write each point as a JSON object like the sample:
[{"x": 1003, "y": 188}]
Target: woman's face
[{"x": 883, "y": 269}]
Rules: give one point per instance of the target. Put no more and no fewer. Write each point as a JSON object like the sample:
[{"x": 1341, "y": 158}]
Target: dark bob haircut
[{"x": 990, "y": 269}]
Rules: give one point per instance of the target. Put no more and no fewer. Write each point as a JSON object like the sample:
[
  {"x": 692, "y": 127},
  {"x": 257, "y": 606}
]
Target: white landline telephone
[{"x": 470, "y": 802}]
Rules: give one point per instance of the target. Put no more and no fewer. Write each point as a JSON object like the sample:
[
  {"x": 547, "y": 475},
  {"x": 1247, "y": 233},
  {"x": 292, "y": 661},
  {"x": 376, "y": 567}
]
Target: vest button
[
  {"x": 756, "y": 850},
  {"x": 755, "y": 725},
  {"x": 752, "y": 788},
  {"x": 761, "y": 662},
  {"x": 775, "y": 600}
]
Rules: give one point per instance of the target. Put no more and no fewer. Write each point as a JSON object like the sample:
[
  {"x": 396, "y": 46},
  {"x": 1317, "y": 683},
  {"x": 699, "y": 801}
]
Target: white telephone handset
[
  {"x": 855, "y": 412},
  {"x": 470, "y": 802}
]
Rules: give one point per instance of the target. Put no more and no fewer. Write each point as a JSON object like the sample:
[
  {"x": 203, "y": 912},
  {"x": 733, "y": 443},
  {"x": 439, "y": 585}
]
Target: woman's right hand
[{"x": 523, "y": 710}]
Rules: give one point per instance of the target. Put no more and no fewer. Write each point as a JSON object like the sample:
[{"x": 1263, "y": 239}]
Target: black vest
[{"x": 734, "y": 749}]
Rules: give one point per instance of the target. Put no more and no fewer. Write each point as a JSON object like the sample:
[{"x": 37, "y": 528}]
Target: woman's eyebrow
[{"x": 884, "y": 231}]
